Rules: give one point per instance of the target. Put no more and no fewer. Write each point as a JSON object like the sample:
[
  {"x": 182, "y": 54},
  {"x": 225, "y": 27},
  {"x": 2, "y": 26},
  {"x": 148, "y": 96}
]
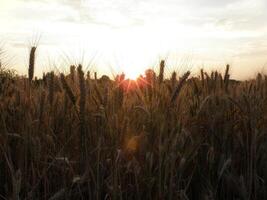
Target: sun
[{"x": 132, "y": 73}]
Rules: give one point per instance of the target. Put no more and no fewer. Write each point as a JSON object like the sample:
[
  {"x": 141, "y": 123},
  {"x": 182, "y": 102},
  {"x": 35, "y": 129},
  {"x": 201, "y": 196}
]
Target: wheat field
[{"x": 71, "y": 136}]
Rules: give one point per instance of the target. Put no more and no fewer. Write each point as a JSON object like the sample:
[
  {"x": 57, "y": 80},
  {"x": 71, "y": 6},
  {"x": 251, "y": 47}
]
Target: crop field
[{"x": 79, "y": 136}]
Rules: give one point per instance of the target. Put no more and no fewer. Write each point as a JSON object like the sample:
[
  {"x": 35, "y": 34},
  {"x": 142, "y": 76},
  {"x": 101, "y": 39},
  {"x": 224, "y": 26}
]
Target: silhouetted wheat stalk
[
  {"x": 31, "y": 63},
  {"x": 161, "y": 72},
  {"x": 179, "y": 86},
  {"x": 51, "y": 88},
  {"x": 67, "y": 89},
  {"x": 226, "y": 77},
  {"x": 82, "y": 103}
]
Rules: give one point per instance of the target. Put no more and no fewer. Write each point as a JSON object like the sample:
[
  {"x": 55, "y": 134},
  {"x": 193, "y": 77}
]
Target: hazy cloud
[
  {"x": 229, "y": 14},
  {"x": 204, "y": 25}
]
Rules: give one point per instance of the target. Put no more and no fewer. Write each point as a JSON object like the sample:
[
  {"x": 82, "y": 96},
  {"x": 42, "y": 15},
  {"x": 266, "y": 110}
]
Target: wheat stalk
[
  {"x": 161, "y": 72},
  {"x": 51, "y": 88},
  {"x": 179, "y": 86},
  {"x": 67, "y": 89},
  {"x": 82, "y": 104},
  {"x": 31, "y": 63}
]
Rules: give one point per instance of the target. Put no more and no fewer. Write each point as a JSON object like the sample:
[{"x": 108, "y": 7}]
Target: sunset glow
[{"x": 130, "y": 36}]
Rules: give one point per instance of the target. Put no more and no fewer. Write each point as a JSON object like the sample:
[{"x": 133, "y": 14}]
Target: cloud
[
  {"x": 227, "y": 14},
  {"x": 253, "y": 48},
  {"x": 233, "y": 27}
]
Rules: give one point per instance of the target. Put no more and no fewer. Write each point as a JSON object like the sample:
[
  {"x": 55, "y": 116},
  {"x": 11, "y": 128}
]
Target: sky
[{"x": 113, "y": 36}]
